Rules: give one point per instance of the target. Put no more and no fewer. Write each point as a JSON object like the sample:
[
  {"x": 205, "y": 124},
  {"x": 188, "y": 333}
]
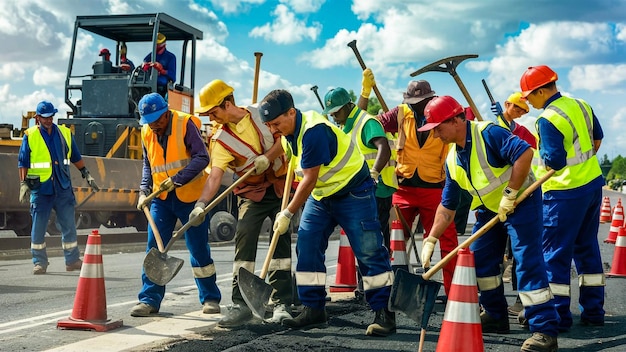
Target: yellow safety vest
[
  {"x": 40, "y": 159},
  {"x": 574, "y": 119},
  {"x": 176, "y": 157},
  {"x": 337, "y": 174}
]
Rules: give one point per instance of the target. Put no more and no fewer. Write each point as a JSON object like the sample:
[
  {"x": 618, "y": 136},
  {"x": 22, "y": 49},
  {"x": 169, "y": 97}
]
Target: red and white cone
[
  {"x": 90, "y": 307},
  {"x": 461, "y": 329},
  {"x": 616, "y": 222},
  {"x": 345, "y": 280},
  {"x": 605, "y": 211},
  {"x": 618, "y": 267},
  {"x": 398, "y": 247}
]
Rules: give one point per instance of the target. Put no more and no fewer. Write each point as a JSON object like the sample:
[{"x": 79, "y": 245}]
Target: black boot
[
  {"x": 308, "y": 318},
  {"x": 384, "y": 323}
]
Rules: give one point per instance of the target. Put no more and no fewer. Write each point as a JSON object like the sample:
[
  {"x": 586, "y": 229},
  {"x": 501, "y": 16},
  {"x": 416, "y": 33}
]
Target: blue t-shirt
[{"x": 168, "y": 61}]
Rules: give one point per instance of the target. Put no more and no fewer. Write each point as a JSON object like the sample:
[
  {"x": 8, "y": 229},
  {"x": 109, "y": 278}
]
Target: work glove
[
  {"x": 281, "y": 224},
  {"x": 24, "y": 192},
  {"x": 125, "y": 67},
  {"x": 146, "y": 66},
  {"x": 367, "y": 83},
  {"x": 261, "y": 163},
  {"x": 496, "y": 108},
  {"x": 159, "y": 68},
  {"x": 168, "y": 185},
  {"x": 374, "y": 174},
  {"x": 90, "y": 180},
  {"x": 507, "y": 203},
  {"x": 428, "y": 247},
  {"x": 141, "y": 202},
  {"x": 196, "y": 217}
]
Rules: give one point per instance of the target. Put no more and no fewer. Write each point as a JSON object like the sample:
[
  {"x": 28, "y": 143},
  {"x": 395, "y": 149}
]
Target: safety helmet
[
  {"x": 104, "y": 52},
  {"x": 440, "y": 109},
  {"x": 151, "y": 107},
  {"x": 516, "y": 98},
  {"x": 212, "y": 95},
  {"x": 535, "y": 77},
  {"x": 161, "y": 38}
]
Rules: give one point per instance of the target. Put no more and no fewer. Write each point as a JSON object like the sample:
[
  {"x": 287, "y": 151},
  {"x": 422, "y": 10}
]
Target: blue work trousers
[
  {"x": 356, "y": 213},
  {"x": 524, "y": 226},
  {"x": 41, "y": 206},
  {"x": 166, "y": 213}
]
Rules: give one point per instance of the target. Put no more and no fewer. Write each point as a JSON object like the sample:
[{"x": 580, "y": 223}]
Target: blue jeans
[
  {"x": 41, "y": 206},
  {"x": 166, "y": 213},
  {"x": 356, "y": 213}
]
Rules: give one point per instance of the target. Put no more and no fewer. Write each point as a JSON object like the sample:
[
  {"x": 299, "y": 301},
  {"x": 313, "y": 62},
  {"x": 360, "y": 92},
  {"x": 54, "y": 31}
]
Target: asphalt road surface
[{"x": 31, "y": 306}]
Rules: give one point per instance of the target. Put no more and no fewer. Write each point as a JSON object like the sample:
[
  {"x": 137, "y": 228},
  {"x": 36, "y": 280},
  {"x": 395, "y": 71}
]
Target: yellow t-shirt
[{"x": 221, "y": 157}]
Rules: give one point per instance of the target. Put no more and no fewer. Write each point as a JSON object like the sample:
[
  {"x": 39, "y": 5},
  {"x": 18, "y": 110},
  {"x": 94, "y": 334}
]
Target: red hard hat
[
  {"x": 440, "y": 109},
  {"x": 104, "y": 51},
  {"x": 535, "y": 77}
]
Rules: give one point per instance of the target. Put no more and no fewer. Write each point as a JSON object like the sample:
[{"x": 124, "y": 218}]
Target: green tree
[{"x": 618, "y": 168}]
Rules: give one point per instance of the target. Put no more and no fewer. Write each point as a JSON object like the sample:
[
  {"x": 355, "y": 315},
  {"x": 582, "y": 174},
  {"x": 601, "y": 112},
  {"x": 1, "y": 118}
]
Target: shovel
[
  {"x": 255, "y": 291},
  {"x": 159, "y": 267},
  {"x": 414, "y": 295}
]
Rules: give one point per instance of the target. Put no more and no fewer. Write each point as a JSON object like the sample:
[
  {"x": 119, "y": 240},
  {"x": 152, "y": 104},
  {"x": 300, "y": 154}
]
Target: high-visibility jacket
[
  {"x": 337, "y": 174},
  {"x": 574, "y": 119},
  {"x": 487, "y": 182},
  {"x": 523, "y": 133},
  {"x": 164, "y": 164},
  {"x": 244, "y": 153},
  {"x": 388, "y": 173},
  {"x": 40, "y": 158},
  {"x": 428, "y": 159}
]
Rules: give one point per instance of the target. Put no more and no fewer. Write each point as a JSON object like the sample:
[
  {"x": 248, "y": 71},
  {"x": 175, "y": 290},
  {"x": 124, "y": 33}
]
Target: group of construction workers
[{"x": 419, "y": 156}]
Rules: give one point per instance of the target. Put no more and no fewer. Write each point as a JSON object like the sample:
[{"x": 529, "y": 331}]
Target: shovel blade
[
  {"x": 160, "y": 268},
  {"x": 255, "y": 291},
  {"x": 413, "y": 296}
]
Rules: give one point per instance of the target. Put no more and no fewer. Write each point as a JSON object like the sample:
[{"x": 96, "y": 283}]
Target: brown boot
[
  {"x": 384, "y": 323},
  {"x": 540, "y": 342},
  {"x": 74, "y": 266},
  {"x": 308, "y": 318}
]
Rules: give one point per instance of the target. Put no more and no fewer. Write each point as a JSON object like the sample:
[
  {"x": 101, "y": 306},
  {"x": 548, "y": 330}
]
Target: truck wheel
[{"x": 222, "y": 226}]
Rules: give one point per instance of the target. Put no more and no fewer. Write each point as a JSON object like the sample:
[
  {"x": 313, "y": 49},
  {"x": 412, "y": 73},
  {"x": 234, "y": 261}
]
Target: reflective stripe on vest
[{"x": 40, "y": 158}]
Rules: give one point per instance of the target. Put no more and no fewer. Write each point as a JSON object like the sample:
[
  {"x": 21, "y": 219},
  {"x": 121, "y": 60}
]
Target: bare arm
[
  {"x": 23, "y": 172},
  {"x": 596, "y": 144},
  {"x": 384, "y": 152},
  {"x": 275, "y": 151},
  {"x": 212, "y": 185},
  {"x": 443, "y": 218},
  {"x": 362, "y": 103}
]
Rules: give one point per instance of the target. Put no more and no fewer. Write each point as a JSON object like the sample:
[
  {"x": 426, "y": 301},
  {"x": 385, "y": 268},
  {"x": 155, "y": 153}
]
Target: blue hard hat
[
  {"x": 46, "y": 109},
  {"x": 151, "y": 107}
]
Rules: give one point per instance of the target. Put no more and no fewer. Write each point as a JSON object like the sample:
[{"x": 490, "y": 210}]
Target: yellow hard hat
[
  {"x": 516, "y": 98},
  {"x": 161, "y": 38},
  {"x": 212, "y": 95}
]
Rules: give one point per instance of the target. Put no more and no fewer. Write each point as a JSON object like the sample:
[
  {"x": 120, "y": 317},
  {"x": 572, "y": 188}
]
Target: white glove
[
  {"x": 367, "y": 83},
  {"x": 141, "y": 202},
  {"x": 261, "y": 163},
  {"x": 507, "y": 203},
  {"x": 24, "y": 192},
  {"x": 196, "y": 217},
  {"x": 92, "y": 183},
  {"x": 374, "y": 174},
  {"x": 281, "y": 224},
  {"x": 428, "y": 247},
  {"x": 168, "y": 185}
]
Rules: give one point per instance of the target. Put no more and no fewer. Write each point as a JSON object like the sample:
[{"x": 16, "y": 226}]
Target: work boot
[
  {"x": 39, "y": 269},
  {"x": 308, "y": 318},
  {"x": 515, "y": 308},
  {"x": 143, "y": 310},
  {"x": 587, "y": 322},
  {"x": 492, "y": 325},
  {"x": 540, "y": 342},
  {"x": 74, "y": 266},
  {"x": 521, "y": 319},
  {"x": 237, "y": 315},
  {"x": 281, "y": 312},
  {"x": 211, "y": 307},
  {"x": 384, "y": 323}
]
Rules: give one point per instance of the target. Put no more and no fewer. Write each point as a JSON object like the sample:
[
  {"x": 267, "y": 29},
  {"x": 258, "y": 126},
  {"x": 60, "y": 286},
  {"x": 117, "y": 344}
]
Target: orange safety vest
[
  {"x": 176, "y": 157},
  {"x": 428, "y": 159},
  {"x": 254, "y": 186}
]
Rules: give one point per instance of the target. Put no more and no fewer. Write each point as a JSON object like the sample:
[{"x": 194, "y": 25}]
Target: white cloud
[
  {"x": 598, "y": 78},
  {"x": 44, "y": 76},
  {"x": 620, "y": 30},
  {"x": 234, "y": 6},
  {"x": 304, "y": 6},
  {"x": 13, "y": 71},
  {"x": 13, "y": 106},
  {"x": 286, "y": 29}
]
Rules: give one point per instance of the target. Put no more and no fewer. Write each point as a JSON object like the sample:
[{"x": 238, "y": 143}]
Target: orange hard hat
[
  {"x": 440, "y": 109},
  {"x": 535, "y": 77}
]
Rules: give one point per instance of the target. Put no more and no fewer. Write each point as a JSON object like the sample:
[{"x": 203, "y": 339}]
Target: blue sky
[{"x": 304, "y": 44}]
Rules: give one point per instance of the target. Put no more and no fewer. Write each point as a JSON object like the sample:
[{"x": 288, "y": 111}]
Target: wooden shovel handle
[
  {"x": 155, "y": 230},
  {"x": 276, "y": 235},
  {"x": 427, "y": 275}
]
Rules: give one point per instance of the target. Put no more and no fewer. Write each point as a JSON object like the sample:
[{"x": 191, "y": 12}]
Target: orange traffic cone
[
  {"x": 398, "y": 247},
  {"x": 90, "y": 307},
  {"x": 618, "y": 267},
  {"x": 345, "y": 280},
  {"x": 461, "y": 329},
  {"x": 616, "y": 222},
  {"x": 605, "y": 211}
]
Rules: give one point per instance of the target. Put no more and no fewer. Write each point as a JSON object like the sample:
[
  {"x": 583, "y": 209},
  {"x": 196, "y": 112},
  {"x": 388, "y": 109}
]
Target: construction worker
[
  {"x": 368, "y": 134},
  {"x": 165, "y": 64},
  {"x": 45, "y": 155},
  {"x": 126, "y": 65},
  {"x": 174, "y": 159},
  {"x": 243, "y": 142},
  {"x": 494, "y": 166},
  {"x": 336, "y": 188},
  {"x": 419, "y": 166},
  {"x": 569, "y": 138}
]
